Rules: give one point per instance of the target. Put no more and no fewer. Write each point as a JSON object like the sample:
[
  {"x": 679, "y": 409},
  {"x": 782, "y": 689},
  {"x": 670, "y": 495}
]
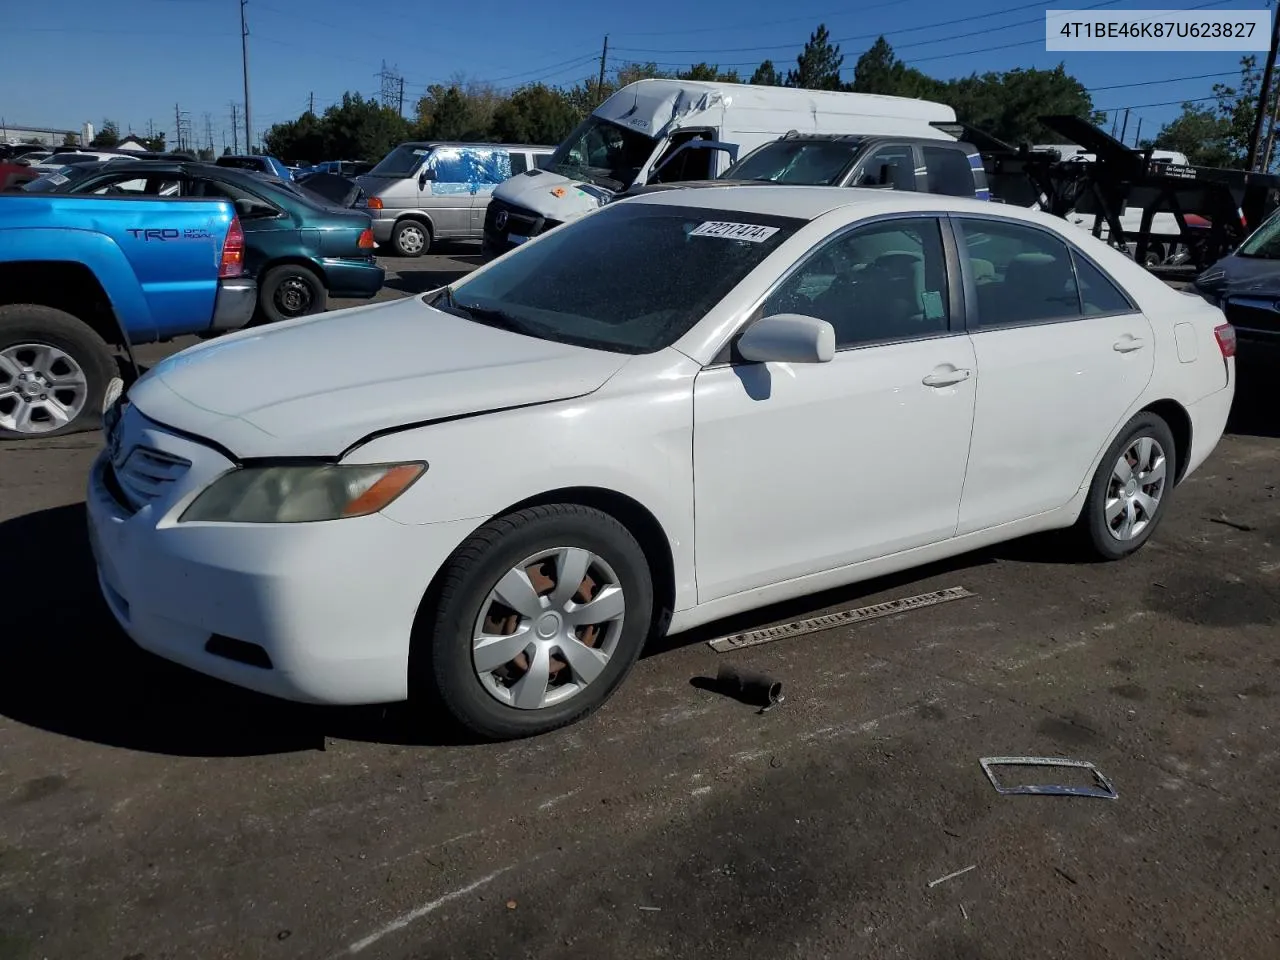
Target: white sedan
[{"x": 678, "y": 408}]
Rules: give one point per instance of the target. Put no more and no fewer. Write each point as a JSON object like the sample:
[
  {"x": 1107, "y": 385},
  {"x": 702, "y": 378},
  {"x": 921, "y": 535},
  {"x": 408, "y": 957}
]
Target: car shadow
[
  {"x": 1253, "y": 412},
  {"x": 66, "y": 667}
]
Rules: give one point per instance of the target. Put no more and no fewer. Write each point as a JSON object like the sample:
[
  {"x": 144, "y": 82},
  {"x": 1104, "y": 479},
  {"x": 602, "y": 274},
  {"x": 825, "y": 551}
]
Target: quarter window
[
  {"x": 518, "y": 163},
  {"x": 1022, "y": 275},
  {"x": 883, "y": 282},
  {"x": 1099, "y": 294}
]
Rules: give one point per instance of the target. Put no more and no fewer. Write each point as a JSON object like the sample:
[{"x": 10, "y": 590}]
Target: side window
[
  {"x": 519, "y": 163},
  {"x": 883, "y": 282},
  {"x": 447, "y": 163},
  {"x": 947, "y": 171},
  {"x": 1023, "y": 275},
  {"x": 486, "y": 167},
  {"x": 542, "y": 160},
  {"x": 1098, "y": 293},
  {"x": 901, "y": 164},
  {"x": 689, "y": 164},
  {"x": 121, "y": 183}
]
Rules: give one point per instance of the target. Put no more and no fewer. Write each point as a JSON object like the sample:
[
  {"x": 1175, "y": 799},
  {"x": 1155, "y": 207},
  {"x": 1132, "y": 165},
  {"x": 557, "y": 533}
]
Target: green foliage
[
  {"x": 818, "y": 66},
  {"x": 534, "y": 114},
  {"x": 107, "y": 137},
  {"x": 766, "y": 75},
  {"x": 354, "y": 128},
  {"x": 1217, "y": 135},
  {"x": 70, "y": 139},
  {"x": 709, "y": 72}
]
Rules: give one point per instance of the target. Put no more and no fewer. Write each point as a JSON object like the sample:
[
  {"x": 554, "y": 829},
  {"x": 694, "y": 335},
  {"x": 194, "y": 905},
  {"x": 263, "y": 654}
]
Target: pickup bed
[{"x": 82, "y": 277}]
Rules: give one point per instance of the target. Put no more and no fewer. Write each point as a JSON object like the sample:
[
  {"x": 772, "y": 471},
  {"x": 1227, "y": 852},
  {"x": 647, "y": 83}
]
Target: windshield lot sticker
[
  {"x": 58, "y": 179},
  {"x": 751, "y": 232}
]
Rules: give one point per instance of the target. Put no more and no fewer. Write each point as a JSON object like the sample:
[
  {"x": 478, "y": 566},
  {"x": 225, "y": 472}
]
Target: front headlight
[{"x": 301, "y": 493}]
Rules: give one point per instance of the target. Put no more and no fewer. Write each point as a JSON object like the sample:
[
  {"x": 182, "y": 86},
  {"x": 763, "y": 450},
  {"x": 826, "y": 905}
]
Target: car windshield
[
  {"x": 1265, "y": 242},
  {"x": 814, "y": 163},
  {"x": 403, "y": 161},
  {"x": 630, "y": 278},
  {"x": 602, "y": 152},
  {"x": 57, "y": 181}
]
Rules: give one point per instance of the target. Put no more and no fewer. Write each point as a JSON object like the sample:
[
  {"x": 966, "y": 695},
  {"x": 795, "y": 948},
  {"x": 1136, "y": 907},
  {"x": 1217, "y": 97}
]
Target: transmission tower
[{"x": 390, "y": 94}]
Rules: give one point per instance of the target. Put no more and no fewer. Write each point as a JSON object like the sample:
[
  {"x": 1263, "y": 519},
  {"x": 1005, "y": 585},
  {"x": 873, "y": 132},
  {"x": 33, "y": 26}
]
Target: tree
[
  {"x": 154, "y": 143},
  {"x": 879, "y": 70},
  {"x": 1201, "y": 133},
  {"x": 766, "y": 75},
  {"x": 534, "y": 114},
  {"x": 709, "y": 72},
  {"x": 107, "y": 137},
  {"x": 818, "y": 66},
  {"x": 69, "y": 139}
]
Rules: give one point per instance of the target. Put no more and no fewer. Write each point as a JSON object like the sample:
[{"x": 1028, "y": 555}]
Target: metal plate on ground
[
  {"x": 843, "y": 618},
  {"x": 1103, "y": 791}
]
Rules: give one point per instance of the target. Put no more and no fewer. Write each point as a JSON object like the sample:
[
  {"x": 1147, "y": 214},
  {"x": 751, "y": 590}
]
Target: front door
[
  {"x": 1062, "y": 354},
  {"x": 803, "y": 468}
]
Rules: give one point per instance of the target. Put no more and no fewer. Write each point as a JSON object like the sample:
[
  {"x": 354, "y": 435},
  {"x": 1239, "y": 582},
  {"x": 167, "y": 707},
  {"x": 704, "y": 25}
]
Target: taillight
[
  {"x": 1226, "y": 337},
  {"x": 375, "y": 203},
  {"x": 366, "y": 240},
  {"x": 232, "y": 251}
]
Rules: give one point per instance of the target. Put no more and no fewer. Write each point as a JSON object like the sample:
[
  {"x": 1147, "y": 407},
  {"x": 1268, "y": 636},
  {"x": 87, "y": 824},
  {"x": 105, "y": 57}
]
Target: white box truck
[{"x": 668, "y": 131}]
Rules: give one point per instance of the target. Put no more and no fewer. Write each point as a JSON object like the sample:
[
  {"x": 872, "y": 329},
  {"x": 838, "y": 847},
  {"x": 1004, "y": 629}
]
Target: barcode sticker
[{"x": 751, "y": 232}]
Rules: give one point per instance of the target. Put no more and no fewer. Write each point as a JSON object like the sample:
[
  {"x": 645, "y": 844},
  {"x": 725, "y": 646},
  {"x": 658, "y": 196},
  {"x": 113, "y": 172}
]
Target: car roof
[{"x": 810, "y": 203}]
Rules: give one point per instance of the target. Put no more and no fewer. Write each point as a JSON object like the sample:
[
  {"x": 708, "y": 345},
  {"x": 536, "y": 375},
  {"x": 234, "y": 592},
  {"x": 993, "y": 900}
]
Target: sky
[{"x": 138, "y": 61}]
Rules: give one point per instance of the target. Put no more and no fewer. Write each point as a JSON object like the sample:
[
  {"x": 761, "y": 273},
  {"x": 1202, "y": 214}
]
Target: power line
[
  {"x": 805, "y": 18},
  {"x": 1163, "y": 103}
]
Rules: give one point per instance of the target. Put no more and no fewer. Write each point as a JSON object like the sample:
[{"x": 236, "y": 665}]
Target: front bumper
[
  {"x": 234, "y": 304},
  {"x": 326, "y": 609},
  {"x": 354, "y": 278}
]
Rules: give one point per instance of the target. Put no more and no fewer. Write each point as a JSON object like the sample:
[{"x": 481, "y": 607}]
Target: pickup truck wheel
[
  {"x": 54, "y": 372},
  {"x": 411, "y": 238},
  {"x": 290, "y": 291}
]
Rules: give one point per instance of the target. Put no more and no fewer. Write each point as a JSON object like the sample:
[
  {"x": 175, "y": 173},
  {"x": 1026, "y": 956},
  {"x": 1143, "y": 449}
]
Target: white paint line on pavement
[
  {"x": 417, "y": 914},
  {"x": 548, "y": 804}
]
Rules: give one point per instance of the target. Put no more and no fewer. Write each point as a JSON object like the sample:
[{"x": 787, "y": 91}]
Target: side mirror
[
  {"x": 425, "y": 177},
  {"x": 788, "y": 338}
]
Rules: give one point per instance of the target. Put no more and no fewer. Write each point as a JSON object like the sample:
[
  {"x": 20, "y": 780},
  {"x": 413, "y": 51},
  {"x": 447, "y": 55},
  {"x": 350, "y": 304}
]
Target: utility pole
[
  {"x": 1137, "y": 137},
  {"x": 400, "y": 109},
  {"x": 311, "y": 102},
  {"x": 1124, "y": 126},
  {"x": 244, "y": 58},
  {"x": 1264, "y": 94},
  {"x": 604, "y": 56},
  {"x": 235, "y": 130},
  {"x": 177, "y": 124},
  {"x": 1271, "y": 136}
]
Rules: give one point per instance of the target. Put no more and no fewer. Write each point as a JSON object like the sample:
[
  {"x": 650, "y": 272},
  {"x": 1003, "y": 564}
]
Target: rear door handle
[
  {"x": 1128, "y": 345},
  {"x": 946, "y": 379}
]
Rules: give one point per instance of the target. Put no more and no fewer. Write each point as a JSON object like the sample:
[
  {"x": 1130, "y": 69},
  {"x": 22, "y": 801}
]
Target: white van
[
  {"x": 421, "y": 192},
  {"x": 669, "y": 131}
]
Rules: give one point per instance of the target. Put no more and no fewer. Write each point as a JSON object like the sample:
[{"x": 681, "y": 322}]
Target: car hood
[
  {"x": 317, "y": 385},
  {"x": 1241, "y": 276},
  {"x": 551, "y": 195}
]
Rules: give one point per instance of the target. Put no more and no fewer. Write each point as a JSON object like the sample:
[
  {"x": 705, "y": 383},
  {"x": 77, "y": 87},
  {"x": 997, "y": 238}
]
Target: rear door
[{"x": 1061, "y": 353}]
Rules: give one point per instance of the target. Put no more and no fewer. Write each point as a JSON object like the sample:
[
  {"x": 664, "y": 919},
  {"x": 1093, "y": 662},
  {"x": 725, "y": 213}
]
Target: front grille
[
  {"x": 1253, "y": 314},
  {"x": 147, "y": 473},
  {"x": 520, "y": 221}
]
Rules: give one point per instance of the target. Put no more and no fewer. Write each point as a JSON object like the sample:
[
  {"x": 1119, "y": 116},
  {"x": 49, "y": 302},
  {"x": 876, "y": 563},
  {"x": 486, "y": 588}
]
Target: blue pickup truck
[{"x": 83, "y": 278}]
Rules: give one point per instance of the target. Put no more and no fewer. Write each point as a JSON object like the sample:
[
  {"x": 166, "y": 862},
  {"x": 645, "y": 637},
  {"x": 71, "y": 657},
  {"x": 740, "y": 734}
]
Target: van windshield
[
  {"x": 602, "y": 152},
  {"x": 811, "y": 163},
  {"x": 403, "y": 161}
]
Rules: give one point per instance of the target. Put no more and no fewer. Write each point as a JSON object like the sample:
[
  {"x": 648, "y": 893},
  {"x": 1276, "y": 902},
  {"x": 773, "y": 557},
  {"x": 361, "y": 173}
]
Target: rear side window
[
  {"x": 1022, "y": 275},
  {"x": 518, "y": 163},
  {"x": 1099, "y": 295},
  {"x": 542, "y": 160},
  {"x": 948, "y": 172}
]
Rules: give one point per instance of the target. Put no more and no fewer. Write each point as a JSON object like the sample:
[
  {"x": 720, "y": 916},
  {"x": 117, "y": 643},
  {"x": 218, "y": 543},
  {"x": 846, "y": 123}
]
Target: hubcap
[
  {"x": 41, "y": 388},
  {"x": 411, "y": 239},
  {"x": 1135, "y": 489},
  {"x": 548, "y": 628},
  {"x": 293, "y": 296}
]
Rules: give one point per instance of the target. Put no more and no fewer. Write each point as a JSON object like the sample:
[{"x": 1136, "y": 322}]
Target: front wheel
[
  {"x": 540, "y": 616},
  {"x": 1130, "y": 490},
  {"x": 54, "y": 372},
  {"x": 411, "y": 238}
]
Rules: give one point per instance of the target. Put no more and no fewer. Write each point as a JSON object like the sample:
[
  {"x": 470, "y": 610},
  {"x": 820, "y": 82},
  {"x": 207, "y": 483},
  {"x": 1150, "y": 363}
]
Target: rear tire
[
  {"x": 492, "y": 700},
  {"x": 1130, "y": 490},
  {"x": 290, "y": 291},
  {"x": 54, "y": 372},
  {"x": 411, "y": 238}
]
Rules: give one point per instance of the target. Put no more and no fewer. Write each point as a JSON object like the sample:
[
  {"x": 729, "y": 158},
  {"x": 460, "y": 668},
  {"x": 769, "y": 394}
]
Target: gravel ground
[{"x": 146, "y": 812}]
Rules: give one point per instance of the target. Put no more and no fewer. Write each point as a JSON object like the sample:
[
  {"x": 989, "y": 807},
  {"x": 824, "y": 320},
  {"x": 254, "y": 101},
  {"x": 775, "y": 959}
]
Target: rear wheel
[
  {"x": 540, "y": 616},
  {"x": 54, "y": 372},
  {"x": 1130, "y": 490},
  {"x": 289, "y": 291},
  {"x": 410, "y": 238}
]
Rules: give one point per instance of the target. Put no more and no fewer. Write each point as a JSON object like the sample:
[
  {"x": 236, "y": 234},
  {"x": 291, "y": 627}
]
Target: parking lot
[{"x": 149, "y": 812}]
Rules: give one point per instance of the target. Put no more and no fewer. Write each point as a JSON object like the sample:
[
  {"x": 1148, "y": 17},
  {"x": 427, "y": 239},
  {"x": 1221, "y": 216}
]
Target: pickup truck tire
[
  {"x": 289, "y": 291},
  {"x": 411, "y": 238},
  {"x": 54, "y": 372}
]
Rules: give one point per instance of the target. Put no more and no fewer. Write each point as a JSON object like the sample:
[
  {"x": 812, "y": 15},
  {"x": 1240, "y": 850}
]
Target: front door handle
[
  {"x": 946, "y": 378},
  {"x": 1128, "y": 344}
]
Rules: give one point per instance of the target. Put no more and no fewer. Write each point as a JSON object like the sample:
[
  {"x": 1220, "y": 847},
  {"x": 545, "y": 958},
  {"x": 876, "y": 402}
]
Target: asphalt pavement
[{"x": 146, "y": 812}]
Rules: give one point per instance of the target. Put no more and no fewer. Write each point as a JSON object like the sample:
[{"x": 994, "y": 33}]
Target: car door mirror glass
[{"x": 788, "y": 338}]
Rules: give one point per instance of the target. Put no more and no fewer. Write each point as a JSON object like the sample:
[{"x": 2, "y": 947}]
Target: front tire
[
  {"x": 411, "y": 238},
  {"x": 540, "y": 616},
  {"x": 1130, "y": 490},
  {"x": 54, "y": 372}
]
